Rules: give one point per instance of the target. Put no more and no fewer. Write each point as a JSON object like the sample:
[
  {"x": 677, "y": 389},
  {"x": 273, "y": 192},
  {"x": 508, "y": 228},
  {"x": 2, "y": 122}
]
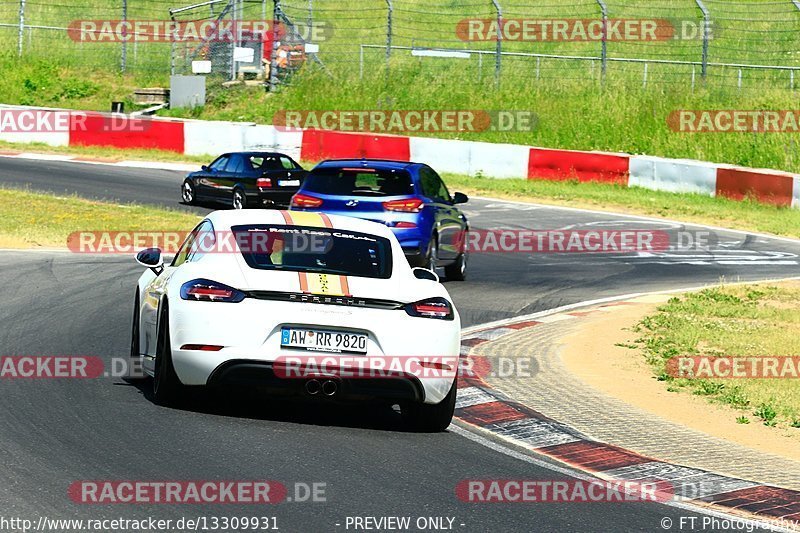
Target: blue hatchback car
[{"x": 410, "y": 198}]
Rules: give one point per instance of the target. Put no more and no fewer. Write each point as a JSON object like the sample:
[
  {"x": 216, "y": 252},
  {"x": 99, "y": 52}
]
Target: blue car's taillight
[
  {"x": 431, "y": 308},
  {"x": 409, "y": 205},
  {"x": 204, "y": 290}
]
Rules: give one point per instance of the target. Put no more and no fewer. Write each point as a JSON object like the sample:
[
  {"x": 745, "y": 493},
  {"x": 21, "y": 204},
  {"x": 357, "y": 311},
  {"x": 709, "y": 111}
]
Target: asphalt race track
[{"x": 55, "y": 432}]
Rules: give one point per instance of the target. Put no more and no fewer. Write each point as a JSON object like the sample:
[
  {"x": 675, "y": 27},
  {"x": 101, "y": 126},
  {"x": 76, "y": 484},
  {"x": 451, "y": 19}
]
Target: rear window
[
  {"x": 359, "y": 182},
  {"x": 310, "y": 249}
]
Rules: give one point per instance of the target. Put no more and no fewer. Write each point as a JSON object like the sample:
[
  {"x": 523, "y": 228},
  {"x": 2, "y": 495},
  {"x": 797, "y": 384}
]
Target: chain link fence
[
  {"x": 722, "y": 43},
  {"x": 746, "y": 45}
]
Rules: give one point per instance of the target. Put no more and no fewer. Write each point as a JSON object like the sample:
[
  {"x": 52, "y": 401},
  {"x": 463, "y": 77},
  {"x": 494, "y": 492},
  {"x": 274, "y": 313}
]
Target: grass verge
[
  {"x": 29, "y": 219},
  {"x": 747, "y": 215},
  {"x": 737, "y": 321}
]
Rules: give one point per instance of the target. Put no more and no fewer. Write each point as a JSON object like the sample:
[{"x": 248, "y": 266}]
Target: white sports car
[{"x": 298, "y": 303}]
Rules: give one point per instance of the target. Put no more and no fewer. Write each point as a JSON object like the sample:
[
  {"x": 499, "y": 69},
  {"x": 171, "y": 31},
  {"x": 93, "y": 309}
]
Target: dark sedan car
[{"x": 245, "y": 179}]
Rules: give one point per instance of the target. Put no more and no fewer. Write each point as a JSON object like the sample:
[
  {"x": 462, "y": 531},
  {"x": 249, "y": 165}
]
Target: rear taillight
[
  {"x": 264, "y": 183},
  {"x": 204, "y": 290},
  {"x": 202, "y": 347},
  {"x": 431, "y": 308},
  {"x": 304, "y": 200},
  {"x": 404, "y": 225},
  {"x": 411, "y": 205}
]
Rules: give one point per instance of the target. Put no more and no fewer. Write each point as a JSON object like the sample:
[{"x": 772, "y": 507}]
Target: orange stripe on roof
[
  {"x": 345, "y": 285},
  {"x": 303, "y": 282}
]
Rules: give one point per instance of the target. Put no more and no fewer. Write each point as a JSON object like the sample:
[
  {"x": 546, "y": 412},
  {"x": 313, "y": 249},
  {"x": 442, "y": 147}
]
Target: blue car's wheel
[
  {"x": 429, "y": 261},
  {"x": 458, "y": 270}
]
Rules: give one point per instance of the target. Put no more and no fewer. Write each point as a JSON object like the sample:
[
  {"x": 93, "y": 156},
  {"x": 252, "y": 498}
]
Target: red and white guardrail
[{"x": 198, "y": 137}]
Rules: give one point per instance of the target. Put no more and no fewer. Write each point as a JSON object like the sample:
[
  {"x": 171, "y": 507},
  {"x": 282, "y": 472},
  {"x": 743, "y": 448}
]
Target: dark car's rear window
[
  {"x": 359, "y": 182},
  {"x": 312, "y": 249}
]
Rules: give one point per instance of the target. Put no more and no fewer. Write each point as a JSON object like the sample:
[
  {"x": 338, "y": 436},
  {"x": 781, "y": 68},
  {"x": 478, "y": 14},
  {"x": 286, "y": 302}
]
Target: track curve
[{"x": 57, "y": 431}]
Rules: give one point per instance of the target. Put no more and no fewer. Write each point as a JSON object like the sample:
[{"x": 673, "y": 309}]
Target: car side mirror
[
  {"x": 151, "y": 258},
  {"x": 424, "y": 273},
  {"x": 460, "y": 198},
  {"x": 204, "y": 168}
]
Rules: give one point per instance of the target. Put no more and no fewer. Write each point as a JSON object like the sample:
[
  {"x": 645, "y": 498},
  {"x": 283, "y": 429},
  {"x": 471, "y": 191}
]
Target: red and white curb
[{"x": 489, "y": 411}]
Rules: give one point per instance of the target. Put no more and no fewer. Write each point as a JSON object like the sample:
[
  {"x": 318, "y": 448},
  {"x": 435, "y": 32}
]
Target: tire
[
  {"x": 167, "y": 388},
  {"x": 429, "y": 261},
  {"x": 426, "y": 418},
  {"x": 134, "y": 373},
  {"x": 239, "y": 199},
  {"x": 188, "y": 194},
  {"x": 458, "y": 270}
]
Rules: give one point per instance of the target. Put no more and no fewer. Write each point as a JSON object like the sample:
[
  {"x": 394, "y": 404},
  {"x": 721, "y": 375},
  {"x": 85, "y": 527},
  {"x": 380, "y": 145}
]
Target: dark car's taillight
[
  {"x": 431, "y": 308},
  {"x": 410, "y": 205},
  {"x": 264, "y": 183},
  {"x": 205, "y": 290},
  {"x": 304, "y": 200}
]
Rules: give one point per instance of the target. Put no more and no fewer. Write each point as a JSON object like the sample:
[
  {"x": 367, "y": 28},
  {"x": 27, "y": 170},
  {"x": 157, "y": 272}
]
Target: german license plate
[
  {"x": 288, "y": 183},
  {"x": 324, "y": 341}
]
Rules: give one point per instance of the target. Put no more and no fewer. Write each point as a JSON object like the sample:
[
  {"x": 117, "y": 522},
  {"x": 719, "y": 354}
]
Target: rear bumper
[
  {"x": 250, "y": 333},
  {"x": 272, "y": 196},
  {"x": 261, "y": 375}
]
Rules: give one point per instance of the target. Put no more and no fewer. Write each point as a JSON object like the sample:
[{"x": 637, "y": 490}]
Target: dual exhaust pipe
[{"x": 327, "y": 387}]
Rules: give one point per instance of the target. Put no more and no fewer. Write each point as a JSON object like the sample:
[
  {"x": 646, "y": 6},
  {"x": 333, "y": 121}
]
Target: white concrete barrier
[
  {"x": 673, "y": 175},
  {"x": 202, "y": 137},
  {"x": 444, "y": 155},
  {"x": 471, "y": 158},
  {"x": 499, "y": 160},
  {"x": 39, "y": 118},
  {"x": 273, "y": 139}
]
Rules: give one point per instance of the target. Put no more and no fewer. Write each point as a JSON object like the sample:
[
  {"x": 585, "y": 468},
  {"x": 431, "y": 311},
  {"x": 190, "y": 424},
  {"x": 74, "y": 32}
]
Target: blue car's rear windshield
[
  {"x": 312, "y": 249},
  {"x": 359, "y": 182}
]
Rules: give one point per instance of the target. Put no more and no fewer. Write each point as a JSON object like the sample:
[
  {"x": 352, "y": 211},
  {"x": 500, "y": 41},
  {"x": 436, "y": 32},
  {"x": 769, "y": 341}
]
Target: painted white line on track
[
  {"x": 609, "y": 299},
  {"x": 640, "y": 217}
]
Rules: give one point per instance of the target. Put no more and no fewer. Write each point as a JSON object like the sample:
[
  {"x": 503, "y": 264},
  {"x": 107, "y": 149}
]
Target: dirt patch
[{"x": 594, "y": 355}]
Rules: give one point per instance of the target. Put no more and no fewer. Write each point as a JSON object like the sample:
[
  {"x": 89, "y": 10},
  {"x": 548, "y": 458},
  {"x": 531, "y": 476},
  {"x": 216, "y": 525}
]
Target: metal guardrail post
[
  {"x": 172, "y": 51},
  {"x": 21, "y": 27},
  {"x": 791, "y": 72},
  {"x": 499, "y": 49},
  {"x": 124, "y": 55},
  {"x": 389, "y": 14},
  {"x": 273, "y": 55},
  {"x": 706, "y": 31},
  {"x": 604, "y": 41},
  {"x": 234, "y": 41}
]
